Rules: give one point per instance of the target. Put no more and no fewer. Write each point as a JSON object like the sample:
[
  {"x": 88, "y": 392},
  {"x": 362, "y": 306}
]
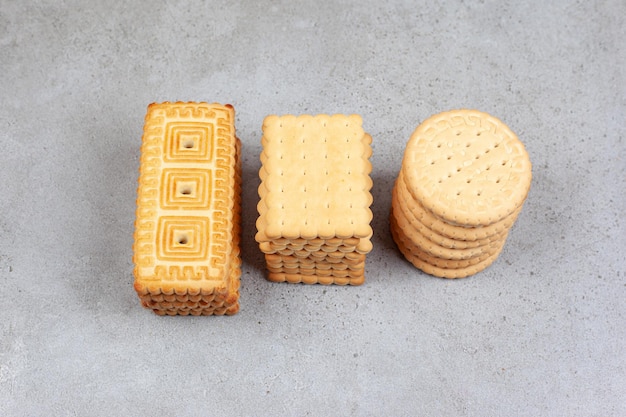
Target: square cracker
[
  {"x": 315, "y": 180},
  {"x": 186, "y": 230},
  {"x": 295, "y": 278}
]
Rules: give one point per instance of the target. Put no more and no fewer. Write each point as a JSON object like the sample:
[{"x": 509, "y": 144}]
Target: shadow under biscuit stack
[{"x": 463, "y": 182}]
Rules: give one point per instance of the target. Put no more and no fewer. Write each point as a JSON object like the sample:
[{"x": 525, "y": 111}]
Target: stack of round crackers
[
  {"x": 464, "y": 179},
  {"x": 331, "y": 261}
]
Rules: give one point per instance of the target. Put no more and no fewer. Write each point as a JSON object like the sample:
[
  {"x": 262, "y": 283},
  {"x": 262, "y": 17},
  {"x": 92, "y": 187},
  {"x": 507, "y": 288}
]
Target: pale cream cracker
[
  {"x": 189, "y": 187},
  {"x": 440, "y": 262},
  {"x": 434, "y": 249},
  {"x": 429, "y": 220},
  {"x": 467, "y": 168},
  {"x": 437, "y": 271},
  {"x": 418, "y": 226}
]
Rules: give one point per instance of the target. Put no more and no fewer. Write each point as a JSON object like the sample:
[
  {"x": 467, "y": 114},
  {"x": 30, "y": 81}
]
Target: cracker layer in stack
[
  {"x": 314, "y": 208},
  {"x": 186, "y": 249},
  {"x": 464, "y": 179}
]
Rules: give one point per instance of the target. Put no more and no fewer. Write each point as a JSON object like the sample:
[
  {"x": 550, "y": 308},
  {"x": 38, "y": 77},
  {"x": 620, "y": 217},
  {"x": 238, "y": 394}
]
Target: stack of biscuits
[
  {"x": 314, "y": 208},
  {"x": 186, "y": 249},
  {"x": 463, "y": 182}
]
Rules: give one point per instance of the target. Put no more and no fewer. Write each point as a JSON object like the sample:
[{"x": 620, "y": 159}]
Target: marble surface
[{"x": 541, "y": 332}]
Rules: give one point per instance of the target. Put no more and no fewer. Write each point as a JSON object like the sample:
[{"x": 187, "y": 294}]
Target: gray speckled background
[{"x": 541, "y": 332}]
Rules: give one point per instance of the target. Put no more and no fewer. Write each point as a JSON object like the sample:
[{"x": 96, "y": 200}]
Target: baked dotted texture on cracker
[
  {"x": 314, "y": 210},
  {"x": 462, "y": 233},
  {"x": 463, "y": 182},
  {"x": 186, "y": 248},
  {"x": 315, "y": 178},
  {"x": 467, "y": 168}
]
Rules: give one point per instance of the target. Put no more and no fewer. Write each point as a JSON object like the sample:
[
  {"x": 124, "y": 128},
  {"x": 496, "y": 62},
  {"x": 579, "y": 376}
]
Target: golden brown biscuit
[
  {"x": 186, "y": 249},
  {"x": 315, "y": 279}
]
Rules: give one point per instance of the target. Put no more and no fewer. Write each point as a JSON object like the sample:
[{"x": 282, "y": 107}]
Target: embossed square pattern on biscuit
[{"x": 186, "y": 249}]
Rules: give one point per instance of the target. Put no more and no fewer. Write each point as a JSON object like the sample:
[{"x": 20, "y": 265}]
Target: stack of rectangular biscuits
[
  {"x": 464, "y": 179},
  {"x": 314, "y": 208},
  {"x": 186, "y": 249}
]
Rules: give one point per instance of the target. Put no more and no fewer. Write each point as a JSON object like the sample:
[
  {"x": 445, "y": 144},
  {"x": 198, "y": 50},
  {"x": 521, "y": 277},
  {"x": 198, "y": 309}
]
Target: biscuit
[
  {"x": 186, "y": 240},
  {"x": 315, "y": 179},
  {"x": 291, "y": 262},
  {"x": 445, "y": 263},
  {"x": 439, "y": 271},
  {"x": 317, "y": 254},
  {"x": 439, "y": 226},
  {"x": 314, "y": 279},
  {"x": 311, "y": 247},
  {"x": 439, "y": 239},
  {"x": 467, "y": 168},
  {"x": 305, "y": 270},
  {"x": 314, "y": 208},
  {"x": 434, "y": 249}
]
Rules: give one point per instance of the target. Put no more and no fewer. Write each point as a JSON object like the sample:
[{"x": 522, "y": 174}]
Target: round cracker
[
  {"x": 431, "y": 247},
  {"x": 440, "y": 262},
  {"x": 443, "y": 272},
  {"x": 467, "y": 168},
  {"x": 432, "y": 235},
  {"x": 452, "y": 231}
]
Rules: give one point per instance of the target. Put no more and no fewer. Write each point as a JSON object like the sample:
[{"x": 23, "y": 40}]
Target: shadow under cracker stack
[
  {"x": 464, "y": 179},
  {"x": 186, "y": 247}
]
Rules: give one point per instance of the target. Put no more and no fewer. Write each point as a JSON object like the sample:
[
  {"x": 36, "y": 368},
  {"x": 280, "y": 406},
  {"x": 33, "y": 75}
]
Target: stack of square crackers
[
  {"x": 464, "y": 178},
  {"x": 186, "y": 249},
  {"x": 314, "y": 208}
]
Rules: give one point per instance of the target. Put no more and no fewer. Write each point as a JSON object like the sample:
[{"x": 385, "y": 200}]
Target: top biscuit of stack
[
  {"x": 467, "y": 168},
  {"x": 315, "y": 179},
  {"x": 186, "y": 232}
]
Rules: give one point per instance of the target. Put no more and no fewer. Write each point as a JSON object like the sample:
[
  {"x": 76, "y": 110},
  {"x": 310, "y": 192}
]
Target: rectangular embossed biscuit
[{"x": 186, "y": 249}]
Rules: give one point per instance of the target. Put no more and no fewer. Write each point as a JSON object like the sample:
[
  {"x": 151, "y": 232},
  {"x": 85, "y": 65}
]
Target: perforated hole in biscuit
[
  {"x": 467, "y": 160},
  {"x": 186, "y": 189}
]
